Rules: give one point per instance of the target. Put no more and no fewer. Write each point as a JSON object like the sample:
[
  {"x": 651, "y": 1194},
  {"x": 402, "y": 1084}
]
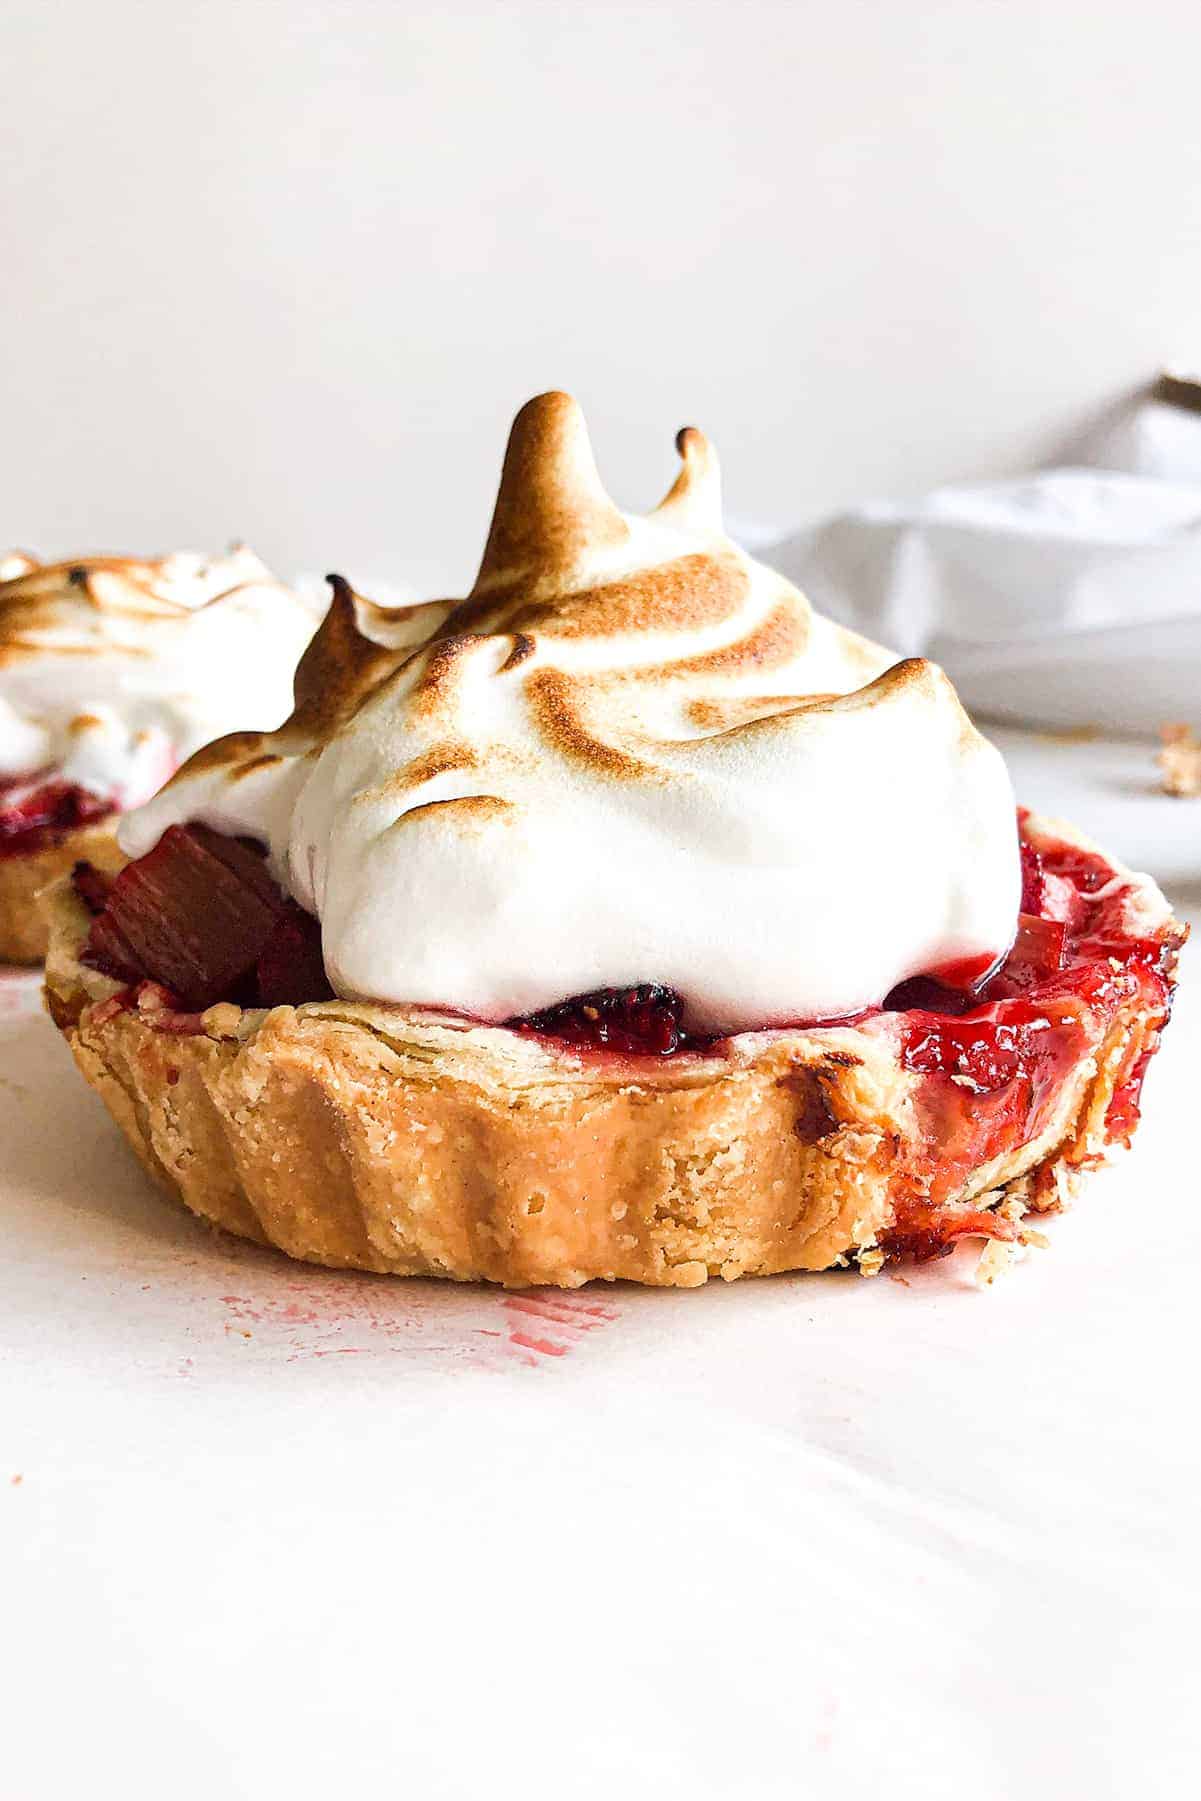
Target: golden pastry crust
[
  {"x": 22, "y": 878},
  {"x": 378, "y": 1138}
]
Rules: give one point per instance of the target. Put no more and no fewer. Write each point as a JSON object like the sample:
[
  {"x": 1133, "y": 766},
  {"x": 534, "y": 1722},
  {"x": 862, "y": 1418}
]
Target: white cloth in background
[{"x": 1068, "y": 597}]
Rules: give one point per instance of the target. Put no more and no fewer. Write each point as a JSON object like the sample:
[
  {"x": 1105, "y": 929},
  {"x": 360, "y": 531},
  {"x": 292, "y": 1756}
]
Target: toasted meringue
[
  {"x": 112, "y": 671},
  {"x": 631, "y": 754}
]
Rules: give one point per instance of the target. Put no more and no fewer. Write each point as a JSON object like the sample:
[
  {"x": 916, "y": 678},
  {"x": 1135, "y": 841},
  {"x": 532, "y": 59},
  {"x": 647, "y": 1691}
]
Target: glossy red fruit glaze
[
  {"x": 1123, "y": 1113},
  {"x": 1039, "y": 950},
  {"x": 982, "y": 1050},
  {"x": 996, "y": 1069},
  {"x": 927, "y": 1231},
  {"x": 952, "y": 988},
  {"x": 33, "y": 817},
  {"x": 645, "y": 1020},
  {"x": 641, "y": 1021}
]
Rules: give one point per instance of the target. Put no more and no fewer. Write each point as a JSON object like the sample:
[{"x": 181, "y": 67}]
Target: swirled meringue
[
  {"x": 112, "y": 671},
  {"x": 631, "y": 754}
]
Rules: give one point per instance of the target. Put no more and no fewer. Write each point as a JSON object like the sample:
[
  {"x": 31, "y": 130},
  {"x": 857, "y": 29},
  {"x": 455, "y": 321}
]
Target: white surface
[
  {"x": 285, "y": 1532},
  {"x": 1067, "y": 597},
  {"x": 284, "y": 269}
]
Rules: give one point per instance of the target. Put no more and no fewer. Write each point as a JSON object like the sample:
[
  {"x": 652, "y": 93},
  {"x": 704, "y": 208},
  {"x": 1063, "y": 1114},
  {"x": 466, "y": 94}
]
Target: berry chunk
[
  {"x": 290, "y": 967},
  {"x": 1033, "y": 878},
  {"x": 641, "y": 1021}
]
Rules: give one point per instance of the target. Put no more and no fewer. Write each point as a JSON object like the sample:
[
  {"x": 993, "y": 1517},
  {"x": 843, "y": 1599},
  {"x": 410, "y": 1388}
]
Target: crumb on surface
[
  {"x": 1180, "y": 761},
  {"x": 997, "y": 1257}
]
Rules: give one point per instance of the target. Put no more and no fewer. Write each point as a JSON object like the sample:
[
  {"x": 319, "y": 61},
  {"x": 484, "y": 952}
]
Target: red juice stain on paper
[
  {"x": 320, "y": 1315},
  {"x": 551, "y": 1322}
]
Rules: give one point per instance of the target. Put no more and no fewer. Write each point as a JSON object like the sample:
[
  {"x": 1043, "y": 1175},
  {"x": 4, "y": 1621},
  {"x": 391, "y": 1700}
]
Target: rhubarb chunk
[
  {"x": 201, "y": 915},
  {"x": 194, "y": 914}
]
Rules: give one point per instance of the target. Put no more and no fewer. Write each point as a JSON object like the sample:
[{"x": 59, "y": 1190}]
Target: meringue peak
[
  {"x": 551, "y": 508},
  {"x": 693, "y": 502},
  {"x": 553, "y": 517},
  {"x": 356, "y": 647}
]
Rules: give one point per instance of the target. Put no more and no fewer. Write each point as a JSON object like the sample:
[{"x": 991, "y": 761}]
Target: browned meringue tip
[
  {"x": 340, "y": 664},
  {"x": 915, "y": 675},
  {"x": 129, "y": 585},
  {"x": 551, "y": 505},
  {"x": 694, "y": 498},
  {"x": 16, "y": 563},
  {"x": 552, "y": 508}
]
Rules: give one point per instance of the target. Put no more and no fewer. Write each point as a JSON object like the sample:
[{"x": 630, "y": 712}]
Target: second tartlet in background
[{"x": 113, "y": 671}]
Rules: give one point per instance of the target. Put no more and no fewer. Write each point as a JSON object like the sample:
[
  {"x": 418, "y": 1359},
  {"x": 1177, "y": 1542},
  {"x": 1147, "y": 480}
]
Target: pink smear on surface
[
  {"x": 305, "y": 1314},
  {"x": 20, "y": 991},
  {"x": 569, "y": 1315}
]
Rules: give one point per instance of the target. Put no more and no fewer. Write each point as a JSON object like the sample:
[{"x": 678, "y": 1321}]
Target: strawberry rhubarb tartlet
[
  {"x": 626, "y": 919},
  {"x": 112, "y": 672}
]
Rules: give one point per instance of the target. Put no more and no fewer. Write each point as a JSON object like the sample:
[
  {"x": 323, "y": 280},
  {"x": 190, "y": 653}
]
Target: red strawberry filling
[
  {"x": 200, "y": 920},
  {"x": 641, "y": 1021},
  {"x": 36, "y": 812},
  {"x": 997, "y": 1066}
]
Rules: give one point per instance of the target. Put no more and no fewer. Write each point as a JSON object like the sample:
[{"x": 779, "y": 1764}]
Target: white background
[{"x": 286, "y": 269}]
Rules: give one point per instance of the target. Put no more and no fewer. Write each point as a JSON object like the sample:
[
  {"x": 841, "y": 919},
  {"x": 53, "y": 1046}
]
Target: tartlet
[
  {"x": 376, "y": 1138},
  {"x": 113, "y": 670},
  {"x": 636, "y": 1130}
]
